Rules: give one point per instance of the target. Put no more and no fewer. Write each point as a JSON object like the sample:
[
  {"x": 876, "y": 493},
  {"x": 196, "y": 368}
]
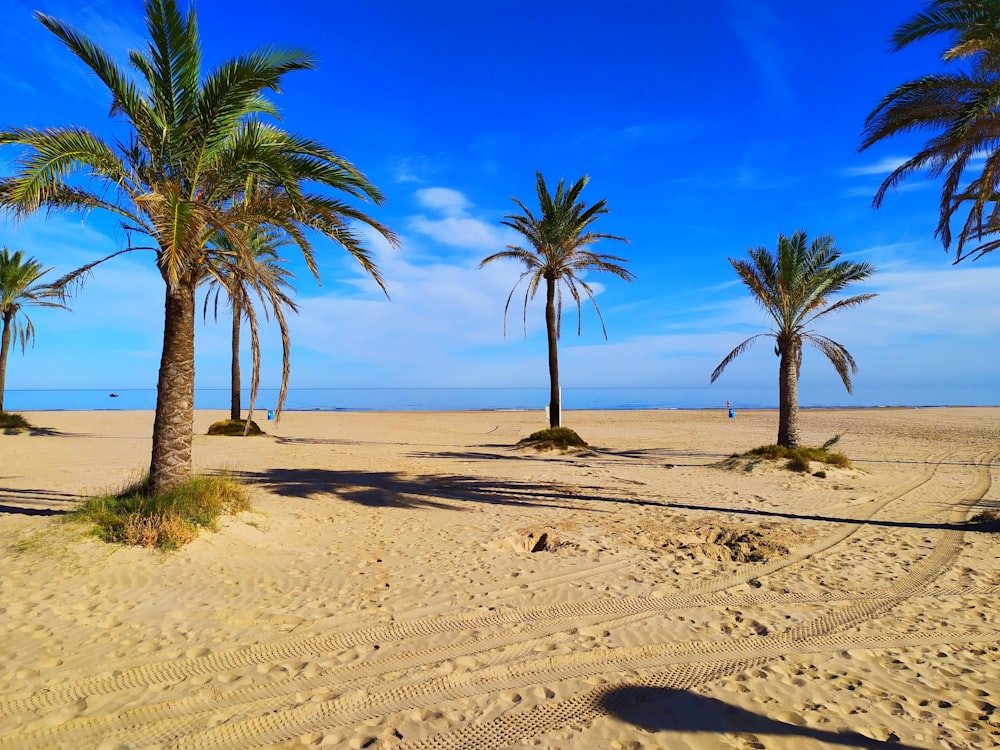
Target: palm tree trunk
[
  {"x": 788, "y": 399},
  {"x": 4, "y": 348},
  {"x": 234, "y": 408},
  {"x": 552, "y": 328},
  {"x": 173, "y": 425}
]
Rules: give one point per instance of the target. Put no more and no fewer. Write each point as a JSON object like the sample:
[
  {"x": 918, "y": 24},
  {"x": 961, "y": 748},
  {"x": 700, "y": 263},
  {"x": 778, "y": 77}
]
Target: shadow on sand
[
  {"x": 35, "y": 502},
  {"x": 391, "y": 489},
  {"x": 663, "y": 709},
  {"x": 34, "y": 431}
]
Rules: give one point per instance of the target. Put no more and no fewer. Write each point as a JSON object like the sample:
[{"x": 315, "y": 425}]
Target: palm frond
[
  {"x": 958, "y": 109},
  {"x": 558, "y": 238},
  {"x": 796, "y": 285},
  {"x": 52, "y": 156},
  {"x": 838, "y": 355},
  {"x": 737, "y": 351},
  {"x": 77, "y": 278},
  {"x": 21, "y": 287}
]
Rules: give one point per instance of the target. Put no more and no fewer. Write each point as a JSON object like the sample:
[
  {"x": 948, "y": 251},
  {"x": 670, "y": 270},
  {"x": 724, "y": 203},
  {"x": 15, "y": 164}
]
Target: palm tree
[
  {"x": 558, "y": 240},
  {"x": 20, "y": 288},
  {"x": 200, "y": 160},
  {"x": 795, "y": 286},
  {"x": 267, "y": 280},
  {"x": 960, "y": 109}
]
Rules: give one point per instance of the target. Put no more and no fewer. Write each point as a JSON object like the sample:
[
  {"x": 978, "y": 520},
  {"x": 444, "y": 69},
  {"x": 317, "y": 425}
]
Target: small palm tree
[
  {"x": 795, "y": 286},
  {"x": 558, "y": 253},
  {"x": 20, "y": 288},
  {"x": 202, "y": 158},
  {"x": 267, "y": 280},
  {"x": 960, "y": 109}
]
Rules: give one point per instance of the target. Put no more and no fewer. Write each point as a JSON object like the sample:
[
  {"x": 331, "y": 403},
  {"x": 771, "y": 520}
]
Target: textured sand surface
[{"x": 416, "y": 581}]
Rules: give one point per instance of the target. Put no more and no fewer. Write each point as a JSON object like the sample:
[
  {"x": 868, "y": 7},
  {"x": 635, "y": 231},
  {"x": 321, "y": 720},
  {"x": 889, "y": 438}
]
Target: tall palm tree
[
  {"x": 960, "y": 108},
  {"x": 795, "y": 285},
  {"x": 201, "y": 159},
  {"x": 267, "y": 280},
  {"x": 20, "y": 288},
  {"x": 558, "y": 238}
]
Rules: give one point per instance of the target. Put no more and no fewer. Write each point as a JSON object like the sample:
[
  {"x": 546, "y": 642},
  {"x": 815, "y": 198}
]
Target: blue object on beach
[
  {"x": 270, "y": 414},
  {"x": 732, "y": 413}
]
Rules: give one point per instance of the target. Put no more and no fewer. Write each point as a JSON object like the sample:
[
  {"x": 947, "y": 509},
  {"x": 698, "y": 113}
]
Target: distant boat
[{"x": 114, "y": 395}]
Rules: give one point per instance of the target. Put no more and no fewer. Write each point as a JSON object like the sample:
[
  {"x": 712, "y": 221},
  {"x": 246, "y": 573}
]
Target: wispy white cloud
[
  {"x": 450, "y": 202},
  {"x": 444, "y": 324},
  {"x": 950, "y": 310},
  {"x": 411, "y": 169},
  {"x": 440, "y": 312},
  {"x": 458, "y": 227},
  {"x": 883, "y": 166},
  {"x": 16, "y": 83},
  {"x": 909, "y": 186},
  {"x": 760, "y": 29},
  {"x": 115, "y": 323},
  {"x": 55, "y": 67},
  {"x": 636, "y": 135},
  {"x": 460, "y": 232}
]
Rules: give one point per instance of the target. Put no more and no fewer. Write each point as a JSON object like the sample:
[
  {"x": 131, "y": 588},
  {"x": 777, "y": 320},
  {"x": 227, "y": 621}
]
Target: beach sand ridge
[{"x": 416, "y": 580}]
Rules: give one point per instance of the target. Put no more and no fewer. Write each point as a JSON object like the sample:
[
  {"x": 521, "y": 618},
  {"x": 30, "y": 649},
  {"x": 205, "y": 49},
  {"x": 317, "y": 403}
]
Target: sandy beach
[{"x": 414, "y": 580}]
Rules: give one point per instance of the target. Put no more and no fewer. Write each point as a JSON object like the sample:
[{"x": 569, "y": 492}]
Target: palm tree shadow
[
  {"x": 34, "y": 431},
  {"x": 664, "y": 709},
  {"x": 37, "y": 502},
  {"x": 391, "y": 489}
]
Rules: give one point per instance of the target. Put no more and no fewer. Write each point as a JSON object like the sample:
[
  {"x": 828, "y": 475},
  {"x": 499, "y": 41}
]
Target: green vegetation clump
[
  {"x": 235, "y": 427},
  {"x": 168, "y": 520},
  {"x": 13, "y": 422},
  {"x": 799, "y": 459},
  {"x": 553, "y": 437}
]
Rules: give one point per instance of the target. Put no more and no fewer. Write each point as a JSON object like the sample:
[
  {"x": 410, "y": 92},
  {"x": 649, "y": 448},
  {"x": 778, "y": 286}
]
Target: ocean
[{"x": 477, "y": 399}]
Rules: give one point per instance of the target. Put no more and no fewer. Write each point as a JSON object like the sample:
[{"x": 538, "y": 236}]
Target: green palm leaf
[
  {"x": 796, "y": 285},
  {"x": 20, "y": 288},
  {"x": 558, "y": 238},
  {"x": 959, "y": 108},
  {"x": 204, "y": 165}
]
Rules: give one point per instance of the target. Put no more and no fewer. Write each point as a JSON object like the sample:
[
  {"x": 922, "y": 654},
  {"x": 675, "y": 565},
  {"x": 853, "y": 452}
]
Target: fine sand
[{"x": 416, "y": 581}]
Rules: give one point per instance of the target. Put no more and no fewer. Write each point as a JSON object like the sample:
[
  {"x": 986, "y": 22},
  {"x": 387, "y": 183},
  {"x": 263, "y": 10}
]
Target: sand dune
[{"x": 416, "y": 581}]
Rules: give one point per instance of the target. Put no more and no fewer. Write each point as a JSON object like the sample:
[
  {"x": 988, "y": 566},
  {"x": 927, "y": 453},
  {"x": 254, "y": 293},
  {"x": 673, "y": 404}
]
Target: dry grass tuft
[
  {"x": 168, "y": 520},
  {"x": 553, "y": 437},
  {"x": 797, "y": 459},
  {"x": 235, "y": 427}
]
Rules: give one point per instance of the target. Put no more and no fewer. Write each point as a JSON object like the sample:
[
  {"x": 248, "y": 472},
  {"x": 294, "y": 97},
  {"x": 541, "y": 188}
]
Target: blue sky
[{"x": 707, "y": 128}]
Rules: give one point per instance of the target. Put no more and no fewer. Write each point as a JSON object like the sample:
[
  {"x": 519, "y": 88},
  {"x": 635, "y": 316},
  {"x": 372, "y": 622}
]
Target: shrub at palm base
[
  {"x": 553, "y": 437},
  {"x": 235, "y": 427},
  {"x": 167, "y": 520},
  {"x": 797, "y": 459},
  {"x": 13, "y": 422}
]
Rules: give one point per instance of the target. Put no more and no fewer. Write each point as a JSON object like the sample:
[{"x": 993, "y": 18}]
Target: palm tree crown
[
  {"x": 796, "y": 286},
  {"x": 19, "y": 288},
  {"x": 267, "y": 281},
  {"x": 203, "y": 159},
  {"x": 961, "y": 109},
  {"x": 559, "y": 237}
]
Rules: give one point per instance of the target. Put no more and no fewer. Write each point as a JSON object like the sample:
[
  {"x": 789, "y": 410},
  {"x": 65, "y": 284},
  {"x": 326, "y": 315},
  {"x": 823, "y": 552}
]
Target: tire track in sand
[
  {"x": 820, "y": 632},
  {"x": 813, "y": 634},
  {"x": 551, "y": 617},
  {"x": 291, "y": 648}
]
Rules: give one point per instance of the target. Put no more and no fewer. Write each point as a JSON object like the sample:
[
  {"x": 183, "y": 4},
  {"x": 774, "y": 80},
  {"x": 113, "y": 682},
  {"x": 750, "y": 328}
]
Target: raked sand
[{"x": 415, "y": 581}]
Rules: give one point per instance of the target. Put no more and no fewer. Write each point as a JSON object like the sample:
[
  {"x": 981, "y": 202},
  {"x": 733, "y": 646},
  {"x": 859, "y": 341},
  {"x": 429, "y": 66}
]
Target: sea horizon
[{"x": 472, "y": 399}]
